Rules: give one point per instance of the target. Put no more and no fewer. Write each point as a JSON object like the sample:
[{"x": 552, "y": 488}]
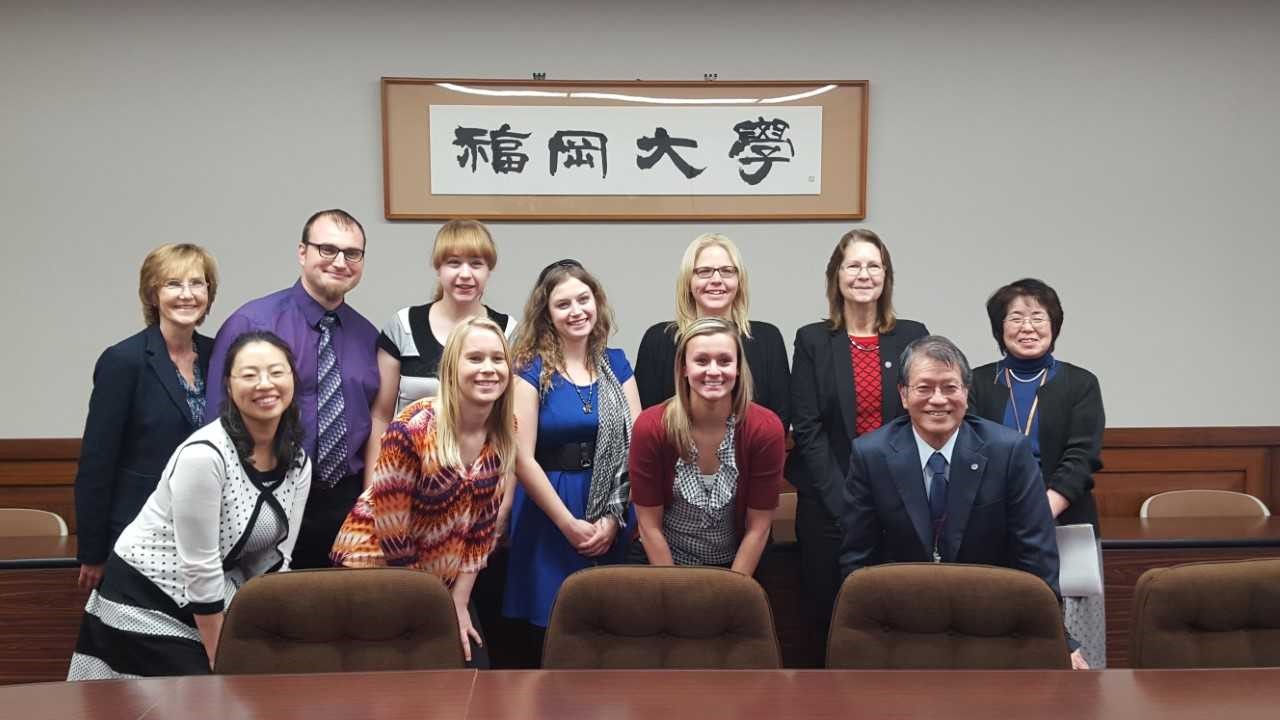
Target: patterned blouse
[
  {"x": 698, "y": 525},
  {"x": 420, "y": 515}
]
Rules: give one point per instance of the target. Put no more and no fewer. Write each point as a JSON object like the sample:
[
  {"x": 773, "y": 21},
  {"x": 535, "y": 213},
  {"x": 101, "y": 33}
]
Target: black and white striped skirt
[{"x": 131, "y": 628}]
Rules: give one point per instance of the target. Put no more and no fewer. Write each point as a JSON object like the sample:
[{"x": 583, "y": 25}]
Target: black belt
[{"x": 574, "y": 456}]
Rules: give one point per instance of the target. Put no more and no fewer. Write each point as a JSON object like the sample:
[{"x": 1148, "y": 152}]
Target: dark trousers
[
  {"x": 327, "y": 508},
  {"x": 819, "y": 538}
]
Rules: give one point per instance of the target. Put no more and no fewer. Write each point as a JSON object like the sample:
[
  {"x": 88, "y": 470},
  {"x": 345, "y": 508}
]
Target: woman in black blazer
[
  {"x": 148, "y": 396},
  {"x": 843, "y": 383},
  {"x": 713, "y": 282},
  {"x": 1059, "y": 406}
]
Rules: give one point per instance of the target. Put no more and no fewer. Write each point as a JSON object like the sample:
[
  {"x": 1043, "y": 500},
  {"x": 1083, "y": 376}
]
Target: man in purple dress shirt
[{"x": 332, "y": 258}]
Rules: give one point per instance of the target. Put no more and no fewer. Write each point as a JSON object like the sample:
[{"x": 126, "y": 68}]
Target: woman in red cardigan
[{"x": 706, "y": 465}]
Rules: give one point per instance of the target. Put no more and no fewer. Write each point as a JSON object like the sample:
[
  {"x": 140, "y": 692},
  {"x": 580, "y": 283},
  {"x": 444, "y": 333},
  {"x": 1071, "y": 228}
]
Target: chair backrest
[
  {"x": 26, "y": 522},
  {"x": 944, "y": 616},
  {"x": 340, "y": 620},
  {"x": 1203, "y": 503},
  {"x": 1207, "y": 615},
  {"x": 639, "y": 616}
]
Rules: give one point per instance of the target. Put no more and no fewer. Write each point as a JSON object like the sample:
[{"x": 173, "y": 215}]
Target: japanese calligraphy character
[
  {"x": 580, "y": 148},
  {"x": 662, "y": 144},
  {"x": 502, "y": 143},
  {"x": 764, "y": 139}
]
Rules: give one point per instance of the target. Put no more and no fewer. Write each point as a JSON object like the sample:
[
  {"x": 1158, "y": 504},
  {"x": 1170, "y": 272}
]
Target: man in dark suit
[{"x": 939, "y": 486}]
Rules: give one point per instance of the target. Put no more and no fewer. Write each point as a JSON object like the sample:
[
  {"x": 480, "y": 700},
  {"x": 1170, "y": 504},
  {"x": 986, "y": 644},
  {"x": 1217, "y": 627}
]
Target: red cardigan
[{"x": 759, "y": 446}]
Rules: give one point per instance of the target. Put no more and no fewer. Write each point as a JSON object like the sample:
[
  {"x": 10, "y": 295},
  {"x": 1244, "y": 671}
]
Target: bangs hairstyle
[
  {"x": 500, "y": 426},
  {"x": 464, "y": 239},
  {"x": 536, "y": 334},
  {"x": 286, "y": 447},
  {"x": 676, "y": 417},
  {"x": 886, "y": 318},
  {"x": 174, "y": 262},
  {"x": 1032, "y": 289},
  {"x": 686, "y": 308}
]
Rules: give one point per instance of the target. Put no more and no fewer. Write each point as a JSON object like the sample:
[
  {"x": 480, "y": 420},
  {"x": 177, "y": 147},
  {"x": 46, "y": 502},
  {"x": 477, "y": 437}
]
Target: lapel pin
[
  {"x": 888, "y": 363},
  {"x": 973, "y": 466}
]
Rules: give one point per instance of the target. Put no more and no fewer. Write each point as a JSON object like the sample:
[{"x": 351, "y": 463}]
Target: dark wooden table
[
  {"x": 1131, "y": 546},
  {"x": 40, "y": 607},
  {"x": 666, "y": 695}
]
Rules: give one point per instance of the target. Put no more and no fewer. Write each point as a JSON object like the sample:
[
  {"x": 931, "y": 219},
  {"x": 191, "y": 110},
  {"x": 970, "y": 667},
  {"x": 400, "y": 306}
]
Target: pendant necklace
[{"x": 588, "y": 400}]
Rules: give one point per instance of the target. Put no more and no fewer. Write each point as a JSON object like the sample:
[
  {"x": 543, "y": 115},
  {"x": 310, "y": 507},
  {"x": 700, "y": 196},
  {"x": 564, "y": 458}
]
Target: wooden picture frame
[{"x": 406, "y": 156}]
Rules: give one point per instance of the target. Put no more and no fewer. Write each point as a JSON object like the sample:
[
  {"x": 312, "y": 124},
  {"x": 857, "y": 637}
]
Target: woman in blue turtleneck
[{"x": 1056, "y": 404}]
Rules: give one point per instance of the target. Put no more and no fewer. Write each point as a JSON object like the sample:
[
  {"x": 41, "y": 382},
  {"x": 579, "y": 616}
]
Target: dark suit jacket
[
  {"x": 824, "y": 402},
  {"x": 1071, "y": 425},
  {"x": 138, "y": 415},
  {"x": 997, "y": 512},
  {"x": 765, "y": 353}
]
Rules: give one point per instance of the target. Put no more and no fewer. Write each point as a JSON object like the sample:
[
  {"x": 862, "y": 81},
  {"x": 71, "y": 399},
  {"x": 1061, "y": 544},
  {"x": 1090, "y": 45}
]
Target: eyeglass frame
[
  {"x": 178, "y": 286},
  {"x": 948, "y": 390},
  {"x": 1036, "y": 321},
  {"x": 873, "y": 270},
  {"x": 706, "y": 272},
  {"x": 330, "y": 252}
]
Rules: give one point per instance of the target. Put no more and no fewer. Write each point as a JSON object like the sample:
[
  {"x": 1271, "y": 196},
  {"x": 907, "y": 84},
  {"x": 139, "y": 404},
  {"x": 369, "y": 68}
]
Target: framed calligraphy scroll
[{"x": 577, "y": 150}]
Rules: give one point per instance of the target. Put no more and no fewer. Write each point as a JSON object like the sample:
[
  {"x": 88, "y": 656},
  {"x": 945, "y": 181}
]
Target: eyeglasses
[
  {"x": 704, "y": 272},
  {"x": 177, "y": 286},
  {"x": 927, "y": 391},
  {"x": 1020, "y": 320},
  {"x": 330, "y": 252},
  {"x": 855, "y": 269}
]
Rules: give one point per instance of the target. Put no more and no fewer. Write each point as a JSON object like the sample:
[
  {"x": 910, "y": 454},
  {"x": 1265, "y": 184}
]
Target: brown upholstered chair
[
  {"x": 1203, "y": 503},
  {"x": 340, "y": 620},
  {"x": 946, "y": 616},
  {"x": 1207, "y": 615},
  {"x": 639, "y": 616},
  {"x": 27, "y": 522}
]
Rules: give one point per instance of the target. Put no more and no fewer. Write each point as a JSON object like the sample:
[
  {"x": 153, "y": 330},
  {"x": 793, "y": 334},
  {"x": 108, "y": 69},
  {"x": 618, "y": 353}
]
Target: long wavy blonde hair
[
  {"x": 536, "y": 335},
  {"x": 501, "y": 424},
  {"x": 676, "y": 417},
  {"x": 686, "y": 308}
]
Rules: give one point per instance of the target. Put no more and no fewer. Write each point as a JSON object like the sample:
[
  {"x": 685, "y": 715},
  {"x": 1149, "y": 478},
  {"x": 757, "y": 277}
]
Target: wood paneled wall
[{"x": 1139, "y": 462}]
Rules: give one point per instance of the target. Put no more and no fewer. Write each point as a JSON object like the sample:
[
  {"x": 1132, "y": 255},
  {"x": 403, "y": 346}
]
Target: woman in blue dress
[{"x": 575, "y": 401}]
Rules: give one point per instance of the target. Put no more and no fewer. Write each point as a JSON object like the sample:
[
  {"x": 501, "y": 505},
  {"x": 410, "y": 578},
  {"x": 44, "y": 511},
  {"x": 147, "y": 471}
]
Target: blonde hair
[
  {"x": 686, "y": 308},
  {"x": 170, "y": 262},
  {"x": 501, "y": 423},
  {"x": 886, "y": 318},
  {"x": 676, "y": 418},
  {"x": 464, "y": 239},
  {"x": 536, "y": 334}
]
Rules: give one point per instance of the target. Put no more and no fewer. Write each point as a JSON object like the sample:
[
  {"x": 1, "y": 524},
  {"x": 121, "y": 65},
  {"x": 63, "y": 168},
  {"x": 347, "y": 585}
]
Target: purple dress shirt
[{"x": 295, "y": 316}]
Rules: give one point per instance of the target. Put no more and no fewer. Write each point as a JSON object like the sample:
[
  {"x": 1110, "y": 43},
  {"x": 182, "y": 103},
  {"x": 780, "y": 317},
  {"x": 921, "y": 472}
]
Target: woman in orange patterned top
[{"x": 441, "y": 489}]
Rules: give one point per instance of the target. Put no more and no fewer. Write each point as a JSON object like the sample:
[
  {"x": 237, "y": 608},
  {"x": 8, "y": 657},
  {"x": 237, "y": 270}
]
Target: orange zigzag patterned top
[{"x": 420, "y": 515}]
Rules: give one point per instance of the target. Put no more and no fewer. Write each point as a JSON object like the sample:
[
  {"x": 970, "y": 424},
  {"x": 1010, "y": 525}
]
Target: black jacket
[
  {"x": 138, "y": 415},
  {"x": 824, "y": 404},
  {"x": 1071, "y": 425}
]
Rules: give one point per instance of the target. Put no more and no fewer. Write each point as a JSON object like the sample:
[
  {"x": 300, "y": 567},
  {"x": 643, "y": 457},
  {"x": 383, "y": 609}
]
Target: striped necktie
[{"x": 331, "y": 452}]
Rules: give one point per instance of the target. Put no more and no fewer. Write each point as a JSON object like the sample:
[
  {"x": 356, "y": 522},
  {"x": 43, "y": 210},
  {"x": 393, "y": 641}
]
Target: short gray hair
[{"x": 938, "y": 348}]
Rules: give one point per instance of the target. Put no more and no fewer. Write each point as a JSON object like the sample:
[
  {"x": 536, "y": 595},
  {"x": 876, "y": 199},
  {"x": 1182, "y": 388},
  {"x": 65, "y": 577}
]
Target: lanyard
[{"x": 1035, "y": 405}]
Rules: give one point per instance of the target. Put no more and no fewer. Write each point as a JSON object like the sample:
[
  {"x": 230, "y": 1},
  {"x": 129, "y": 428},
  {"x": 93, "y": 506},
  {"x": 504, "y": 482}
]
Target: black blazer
[
  {"x": 1071, "y": 425},
  {"x": 997, "y": 512},
  {"x": 766, "y": 356},
  {"x": 138, "y": 416},
  {"x": 824, "y": 404}
]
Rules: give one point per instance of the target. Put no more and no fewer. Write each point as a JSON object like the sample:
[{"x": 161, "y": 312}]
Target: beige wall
[{"x": 1126, "y": 152}]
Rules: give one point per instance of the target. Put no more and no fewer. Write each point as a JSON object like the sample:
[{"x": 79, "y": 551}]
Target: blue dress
[{"x": 541, "y": 558}]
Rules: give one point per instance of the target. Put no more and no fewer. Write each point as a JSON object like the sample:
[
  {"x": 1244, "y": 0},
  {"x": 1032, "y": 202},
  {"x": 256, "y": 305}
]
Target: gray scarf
[{"x": 610, "y": 489}]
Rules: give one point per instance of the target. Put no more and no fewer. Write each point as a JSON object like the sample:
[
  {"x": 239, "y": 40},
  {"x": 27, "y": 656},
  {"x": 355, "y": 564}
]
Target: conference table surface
[{"x": 1240, "y": 694}]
